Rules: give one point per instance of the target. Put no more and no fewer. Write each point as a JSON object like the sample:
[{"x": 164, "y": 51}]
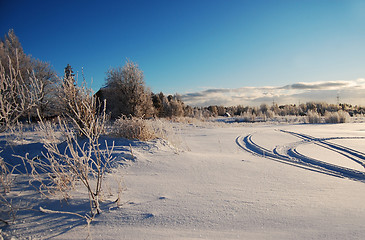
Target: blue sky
[{"x": 192, "y": 46}]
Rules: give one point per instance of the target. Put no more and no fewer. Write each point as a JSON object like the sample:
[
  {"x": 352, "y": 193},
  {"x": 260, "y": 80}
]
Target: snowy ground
[{"x": 247, "y": 181}]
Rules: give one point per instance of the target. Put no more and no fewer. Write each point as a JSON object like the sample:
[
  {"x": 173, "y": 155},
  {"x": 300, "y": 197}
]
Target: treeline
[
  {"x": 124, "y": 90},
  {"x": 127, "y": 95},
  {"x": 286, "y": 110},
  {"x": 30, "y": 88}
]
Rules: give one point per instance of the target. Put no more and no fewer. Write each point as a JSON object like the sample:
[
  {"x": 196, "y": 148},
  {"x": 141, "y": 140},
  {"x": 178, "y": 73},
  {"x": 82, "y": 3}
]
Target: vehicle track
[
  {"x": 352, "y": 154},
  {"x": 288, "y": 154}
]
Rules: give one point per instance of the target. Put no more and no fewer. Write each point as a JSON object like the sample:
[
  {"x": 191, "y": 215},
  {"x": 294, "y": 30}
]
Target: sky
[{"x": 223, "y": 52}]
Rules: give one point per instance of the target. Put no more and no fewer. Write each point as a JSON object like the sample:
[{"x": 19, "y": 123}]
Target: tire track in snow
[
  {"x": 290, "y": 155},
  {"x": 248, "y": 145},
  {"x": 352, "y": 154}
]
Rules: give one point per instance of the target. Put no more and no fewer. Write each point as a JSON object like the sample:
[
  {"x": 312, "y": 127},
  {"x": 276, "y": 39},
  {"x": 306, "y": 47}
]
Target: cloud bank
[{"x": 352, "y": 92}]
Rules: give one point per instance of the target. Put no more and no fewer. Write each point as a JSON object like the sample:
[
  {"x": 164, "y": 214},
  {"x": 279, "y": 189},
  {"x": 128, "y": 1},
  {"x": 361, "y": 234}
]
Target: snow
[
  {"x": 328, "y": 155},
  {"x": 216, "y": 187}
]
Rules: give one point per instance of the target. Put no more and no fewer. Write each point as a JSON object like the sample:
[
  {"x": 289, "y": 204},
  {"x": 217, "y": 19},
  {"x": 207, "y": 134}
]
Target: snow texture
[{"x": 247, "y": 181}]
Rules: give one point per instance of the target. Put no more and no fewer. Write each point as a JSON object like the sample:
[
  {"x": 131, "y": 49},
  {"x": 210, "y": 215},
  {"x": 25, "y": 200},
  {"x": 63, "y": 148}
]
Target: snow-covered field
[{"x": 232, "y": 181}]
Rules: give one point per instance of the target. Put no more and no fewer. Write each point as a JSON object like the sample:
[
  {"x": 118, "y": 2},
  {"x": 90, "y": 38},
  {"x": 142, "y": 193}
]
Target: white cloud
[{"x": 352, "y": 92}]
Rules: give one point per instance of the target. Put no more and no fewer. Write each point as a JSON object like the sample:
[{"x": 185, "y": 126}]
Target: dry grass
[
  {"x": 133, "y": 128},
  {"x": 6, "y": 178}
]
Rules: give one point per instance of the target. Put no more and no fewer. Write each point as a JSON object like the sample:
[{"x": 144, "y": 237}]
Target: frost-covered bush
[
  {"x": 6, "y": 176},
  {"x": 313, "y": 117},
  {"x": 344, "y": 116},
  {"x": 133, "y": 128},
  {"x": 331, "y": 117},
  {"x": 270, "y": 114},
  {"x": 337, "y": 117},
  {"x": 248, "y": 117},
  {"x": 78, "y": 159},
  {"x": 169, "y": 130}
]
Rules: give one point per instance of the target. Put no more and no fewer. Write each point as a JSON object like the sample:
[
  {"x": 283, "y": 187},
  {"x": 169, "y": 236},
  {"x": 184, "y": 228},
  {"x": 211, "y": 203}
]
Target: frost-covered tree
[
  {"x": 69, "y": 92},
  {"x": 12, "y": 56},
  {"x": 126, "y": 92},
  {"x": 157, "y": 100},
  {"x": 17, "y": 96},
  {"x": 177, "y": 106},
  {"x": 170, "y": 106},
  {"x": 264, "y": 108},
  {"x": 213, "y": 110}
]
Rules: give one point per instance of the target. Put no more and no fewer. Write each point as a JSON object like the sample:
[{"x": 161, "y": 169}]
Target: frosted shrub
[
  {"x": 344, "y": 117},
  {"x": 313, "y": 117},
  {"x": 7, "y": 207},
  {"x": 248, "y": 117},
  {"x": 270, "y": 114},
  {"x": 133, "y": 128},
  {"x": 82, "y": 159},
  {"x": 6, "y": 176},
  {"x": 331, "y": 117},
  {"x": 169, "y": 130},
  {"x": 6, "y": 181},
  {"x": 337, "y": 117}
]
